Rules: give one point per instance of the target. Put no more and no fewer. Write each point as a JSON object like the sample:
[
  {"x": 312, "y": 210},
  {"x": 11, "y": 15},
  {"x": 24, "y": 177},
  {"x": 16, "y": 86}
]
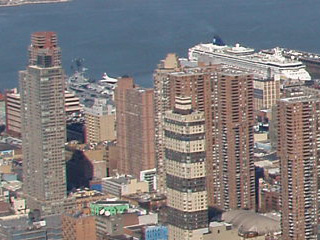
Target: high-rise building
[
  {"x": 172, "y": 78},
  {"x": 13, "y": 115},
  {"x": 100, "y": 122},
  {"x": 13, "y": 108},
  {"x": 299, "y": 152},
  {"x": 235, "y": 140},
  {"x": 217, "y": 91},
  {"x": 135, "y": 127},
  {"x": 43, "y": 126},
  {"x": 266, "y": 92},
  {"x": 72, "y": 103},
  {"x": 185, "y": 153},
  {"x": 163, "y": 102}
]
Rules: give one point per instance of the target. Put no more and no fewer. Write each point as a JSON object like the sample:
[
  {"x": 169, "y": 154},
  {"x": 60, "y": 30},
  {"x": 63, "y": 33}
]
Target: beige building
[
  {"x": 13, "y": 117},
  {"x": 123, "y": 185},
  {"x": 184, "y": 141},
  {"x": 266, "y": 93},
  {"x": 221, "y": 231},
  {"x": 43, "y": 124},
  {"x": 78, "y": 227},
  {"x": 100, "y": 122},
  {"x": 71, "y": 102},
  {"x": 98, "y": 159}
]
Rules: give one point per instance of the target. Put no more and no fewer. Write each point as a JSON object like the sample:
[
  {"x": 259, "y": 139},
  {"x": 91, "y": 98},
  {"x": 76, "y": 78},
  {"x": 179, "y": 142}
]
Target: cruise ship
[{"x": 260, "y": 63}]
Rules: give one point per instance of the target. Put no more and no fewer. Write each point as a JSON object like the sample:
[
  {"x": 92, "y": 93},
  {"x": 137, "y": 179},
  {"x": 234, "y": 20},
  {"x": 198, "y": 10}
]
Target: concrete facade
[
  {"x": 100, "y": 122},
  {"x": 44, "y": 126},
  {"x": 184, "y": 133}
]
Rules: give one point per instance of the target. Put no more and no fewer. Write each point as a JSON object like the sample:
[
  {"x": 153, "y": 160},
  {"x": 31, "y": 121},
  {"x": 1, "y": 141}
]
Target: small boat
[{"x": 107, "y": 79}]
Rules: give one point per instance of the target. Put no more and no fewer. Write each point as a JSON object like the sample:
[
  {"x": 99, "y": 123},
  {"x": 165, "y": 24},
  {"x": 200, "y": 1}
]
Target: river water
[{"x": 130, "y": 37}]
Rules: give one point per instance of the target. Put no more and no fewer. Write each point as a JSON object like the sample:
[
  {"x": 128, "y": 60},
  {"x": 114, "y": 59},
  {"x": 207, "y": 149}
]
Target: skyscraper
[
  {"x": 162, "y": 103},
  {"x": 172, "y": 79},
  {"x": 234, "y": 142},
  {"x": 135, "y": 127},
  {"x": 43, "y": 125},
  {"x": 225, "y": 96},
  {"x": 184, "y": 132},
  {"x": 299, "y": 152}
]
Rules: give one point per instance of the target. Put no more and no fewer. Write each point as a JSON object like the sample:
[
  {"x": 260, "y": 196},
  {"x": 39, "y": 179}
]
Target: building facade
[
  {"x": 234, "y": 144},
  {"x": 219, "y": 92},
  {"x": 78, "y": 227},
  {"x": 43, "y": 125},
  {"x": 123, "y": 185},
  {"x": 162, "y": 103},
  {"x": 100, "y": 122},
  {"x": 184, "y": 132},
  {"x": 135, "y": 127},
  {"x": 71, "y": 103},
  {"x": 13, "y": 110},
  {"x": 17, "y": 227},
  {"x": 298, "y": 149},
  {"x": 266, "y": 93},
  {"x": 13, "y": 117}
]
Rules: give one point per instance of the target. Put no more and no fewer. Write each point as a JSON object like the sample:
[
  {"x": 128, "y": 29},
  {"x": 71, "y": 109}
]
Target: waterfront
[
  {"x": 16, "y": 3},
  {"x": 130, "y": 37}
]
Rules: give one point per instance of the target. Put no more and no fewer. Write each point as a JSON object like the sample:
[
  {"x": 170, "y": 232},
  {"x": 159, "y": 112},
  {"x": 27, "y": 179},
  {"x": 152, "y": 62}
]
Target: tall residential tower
[
  {"x": 135, "y": 127},
  {"x": 43, "y": 125},
  {"x": 225, "y": 96},
  {"x": 185, "y": 154},
  {"x": 299, "y": 152}
]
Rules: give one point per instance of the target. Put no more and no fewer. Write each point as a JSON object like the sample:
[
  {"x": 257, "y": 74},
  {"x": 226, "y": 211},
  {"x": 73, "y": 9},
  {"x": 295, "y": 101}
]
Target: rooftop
[
  {"x": 123, "y": 179},
  {"x": 248, "y": 221},
  {"x": 6, "y": 147},
  {"x": 22, "y": 222},
  {"x": 307, "y": 98}
]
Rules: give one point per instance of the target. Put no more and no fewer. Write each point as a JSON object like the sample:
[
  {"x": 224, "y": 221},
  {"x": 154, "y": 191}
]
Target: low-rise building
[
  {"x": 152, "y": 202},
  {"x": 253, "y": 226},
  {"x": 149, "y": 176},
  {"x": 98, "y": 158},
  {"x": 84, "y": 197},
  {"x": 221, "y": 231},
  {"x": 113, "y": 215},
  {"x": 147, "y": 232},
  {"x": 123, "y": 185},
  {"x": 31, "y": 227},
  {"x": 78, "y": 226}
]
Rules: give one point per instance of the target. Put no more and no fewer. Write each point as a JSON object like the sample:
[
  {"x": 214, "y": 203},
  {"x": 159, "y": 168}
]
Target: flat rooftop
[{"x": 7, "y": 146}]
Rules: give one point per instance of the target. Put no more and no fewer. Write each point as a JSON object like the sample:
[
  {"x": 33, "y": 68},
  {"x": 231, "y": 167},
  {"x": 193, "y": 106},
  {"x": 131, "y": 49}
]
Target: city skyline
[{"x": 197, "y": 148}]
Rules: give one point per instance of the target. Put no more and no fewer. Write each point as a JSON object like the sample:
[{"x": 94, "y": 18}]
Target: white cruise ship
[{"x": 267, "y": 65}]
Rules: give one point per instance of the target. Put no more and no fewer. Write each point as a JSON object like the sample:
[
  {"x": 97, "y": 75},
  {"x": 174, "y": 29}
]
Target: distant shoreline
[{"x": 20, "y": 3}]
